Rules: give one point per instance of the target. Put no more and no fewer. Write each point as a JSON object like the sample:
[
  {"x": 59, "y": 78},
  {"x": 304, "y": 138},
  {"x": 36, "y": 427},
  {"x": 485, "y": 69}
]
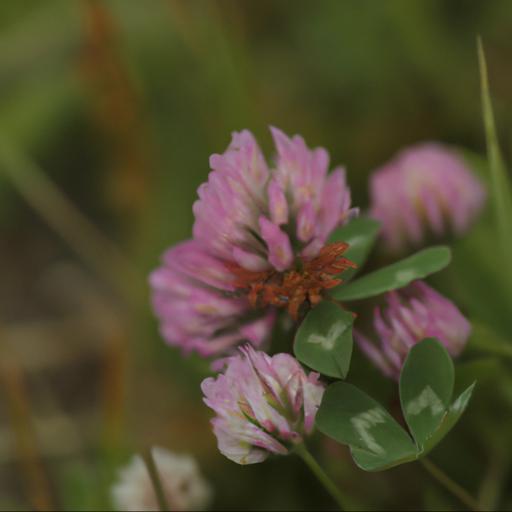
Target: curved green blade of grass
[{"x": 501, "y": 192}]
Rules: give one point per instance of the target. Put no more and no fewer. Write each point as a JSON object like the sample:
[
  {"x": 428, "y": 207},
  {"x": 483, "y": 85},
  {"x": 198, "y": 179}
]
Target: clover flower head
[
  {"x": 410, "y": 315},
  {"x": 425, "y": 190},
  {"x": 264, "y": 405},
  {"x": 260, "y": 242}
]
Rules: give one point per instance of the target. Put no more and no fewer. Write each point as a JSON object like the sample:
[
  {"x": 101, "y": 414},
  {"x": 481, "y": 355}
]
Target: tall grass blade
[{"x": 501, "y": 192}]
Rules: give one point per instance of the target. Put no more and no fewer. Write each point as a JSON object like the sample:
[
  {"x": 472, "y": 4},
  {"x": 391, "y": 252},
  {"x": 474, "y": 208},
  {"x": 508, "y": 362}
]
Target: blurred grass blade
[
  {"x": 485, "y": 338},
  {"x": 26, "y": 442},
  {"x": 90, "y": 244},
  {"x": 501, "y": 191},
  {"x": 156, "y": 482}
]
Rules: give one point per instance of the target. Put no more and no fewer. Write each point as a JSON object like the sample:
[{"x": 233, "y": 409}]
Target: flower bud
[
  {"x": 263, "y": 404},
  {"x": 410, "y": 315}
]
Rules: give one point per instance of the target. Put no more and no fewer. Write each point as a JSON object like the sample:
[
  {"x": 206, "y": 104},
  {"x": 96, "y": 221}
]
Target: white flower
[{"x": 183, "y": 485}]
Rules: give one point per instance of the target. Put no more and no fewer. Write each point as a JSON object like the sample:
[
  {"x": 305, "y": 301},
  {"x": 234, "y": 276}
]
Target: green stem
[
  {"x": 155, "y": 481},
  {"x": 453, "y": 487},
  {"x": 313, "y": 465},
  {"x": 485, "y": 339},
  {"x": 504, "y": 351},
  {"x": 492, "y": 483}
]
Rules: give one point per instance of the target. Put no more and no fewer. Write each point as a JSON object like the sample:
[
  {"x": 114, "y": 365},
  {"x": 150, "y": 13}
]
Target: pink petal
[
  {"x": 280, "y": 253},
  {"x": 277, "y": 203}
]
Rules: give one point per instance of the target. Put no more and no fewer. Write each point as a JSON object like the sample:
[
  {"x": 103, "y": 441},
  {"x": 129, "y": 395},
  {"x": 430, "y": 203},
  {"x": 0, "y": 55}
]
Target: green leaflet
[
  {"x": 324, "y": 340},
  {"x": 376, "y": 440},
  {"x": 360, "y": 234},
  {"x": 397, "y": 275}
]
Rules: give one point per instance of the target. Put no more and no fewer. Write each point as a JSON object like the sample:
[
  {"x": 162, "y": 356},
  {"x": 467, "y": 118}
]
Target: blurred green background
[{"x": 109, "y": 111}]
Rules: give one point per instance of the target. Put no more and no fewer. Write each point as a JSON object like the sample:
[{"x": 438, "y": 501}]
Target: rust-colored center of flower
[{"x": 291, "y": 289}]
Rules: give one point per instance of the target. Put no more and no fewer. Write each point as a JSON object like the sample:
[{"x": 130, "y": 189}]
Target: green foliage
[
  {"x": 397, "y": 275},
  {"x": 351, "y": 417},
  {"x": 361, "y": 234},
  {"x": 376, "y": 440},
  {"x": 500, "y": 181},
  {"x": 426, "y": 387},
  {"x": 363, "y": 79},
  {"x": 324, "y": 340}
]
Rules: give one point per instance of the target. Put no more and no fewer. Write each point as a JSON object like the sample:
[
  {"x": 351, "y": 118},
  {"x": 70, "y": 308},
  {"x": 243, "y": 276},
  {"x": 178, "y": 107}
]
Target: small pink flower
[
  {"x": 412, "y": 314},
  {"x": 426, "y": 189},
  {"x": 260, "y": 242},
  {"x": 263, "y": 404}
]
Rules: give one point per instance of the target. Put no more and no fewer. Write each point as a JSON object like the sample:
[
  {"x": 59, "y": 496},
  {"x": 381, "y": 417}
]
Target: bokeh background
[{"x": 109, "y": 111}]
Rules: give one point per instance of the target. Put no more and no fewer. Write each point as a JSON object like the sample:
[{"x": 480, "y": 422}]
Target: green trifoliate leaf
[
  {"x": 426, "y": 388},
  {"x": 351, "y": 417},
  {"x": 397, "y": 275},
  {"x": 376, "y": 440},
  {"x": 324, "y": 340},
  {"x": 449, "y": 420},
  {"x": 360, "y": 234}
]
